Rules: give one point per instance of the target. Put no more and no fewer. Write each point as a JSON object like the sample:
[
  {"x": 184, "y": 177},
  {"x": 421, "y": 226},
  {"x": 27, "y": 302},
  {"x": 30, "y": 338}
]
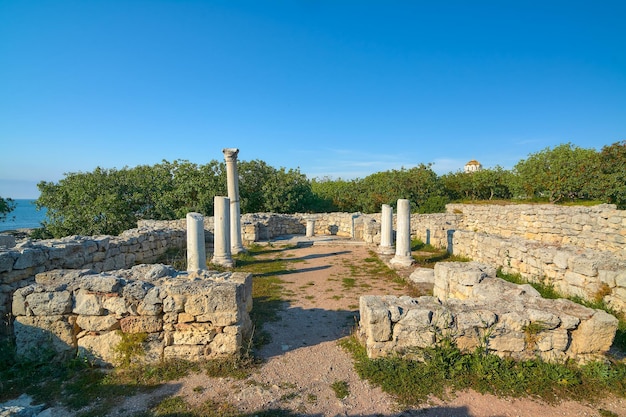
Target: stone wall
[
  {"x": 477, "y": 310},
  {"x": 19, "y": 264},
  {"x": 601, "y": 227},
  {"x": 70, "y": 312},
  {"x": 589, "y": 274}
]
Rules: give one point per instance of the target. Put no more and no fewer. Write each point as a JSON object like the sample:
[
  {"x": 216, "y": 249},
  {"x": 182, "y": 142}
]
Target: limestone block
[
  {"x": 87, "y": 303},
  {"x": 595, "y": 334},
  {"x": 375, "y": 318},
  {"x": 102, "y": 283},
  {"x": 583, "y": 265},
  {"x": 219, "y": 297},
  {"x": 620, "y": 279},
  {"x": 556, "y": 339},
  {"x": 575, "y": 279},
  {"x": 151, "y": 304},
  {"x": 174, "y": 303},
  {"x": 49, "y": 303},
  {"x": 545, "y": 319},
  {"x": 423, "y": 275},
  {"x": 97, "y": 323},
  {"x": 100, "y": 349},
  {"x": 507, "y": 342},
  {"x": 136, "y": 290},
  {"x": 223, "y": 318},
  {"x": 141, "y": 324},
  {"x": 185, "y": 318},
  {"x": 115, "y": 305},
  {"x": 7, "y": 259},
  {"x": 35, "y": 335},
  {"x": 19, "y": 306},
  {"x": 194, "y": 353},
  {"x": 194, "y": 334},
  {"x": 227, "y": 343},
  {"x": 30, "y": 257}
]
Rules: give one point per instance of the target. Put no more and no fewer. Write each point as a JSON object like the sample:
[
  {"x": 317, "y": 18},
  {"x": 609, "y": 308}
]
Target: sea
[{"x": 25, "y": 216}]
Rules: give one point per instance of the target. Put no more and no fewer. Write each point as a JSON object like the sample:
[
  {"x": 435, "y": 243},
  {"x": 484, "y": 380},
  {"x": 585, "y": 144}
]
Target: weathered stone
[
  {"x": 102, "y": 283},
  {"x": 194, "y": 334},
  {"x": 115, "y": 305},
  {"x": 423, "y": 275},
  {"x": 30, "y": 257},
  {"x": 100, "y": 349},
  {"x": 49, "y": 303},
  {"x": 595, "y": 334},
  {"x": 152, "y": 304},
  {"x": 97, "y": 323},
  {"x": 88, "y": 304},
  {"x": 375, "y": 316},
  {"x": 38, "y": 336},
  {"x": 141, "y": 324}
]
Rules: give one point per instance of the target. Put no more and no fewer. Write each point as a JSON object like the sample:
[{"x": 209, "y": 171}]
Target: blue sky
[{"x": 334, "y": 88}]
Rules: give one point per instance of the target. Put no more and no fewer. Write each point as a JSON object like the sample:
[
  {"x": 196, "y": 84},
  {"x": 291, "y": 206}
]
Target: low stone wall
[
  {"x": 601, "y": 227},
  {"x": 592, "y": 275},
  {"x": 265, "y": 226},
  {"x": 19, "y": 264},
  {"x": 179, "y": 316},
  {"x": 506, "y": 319}
]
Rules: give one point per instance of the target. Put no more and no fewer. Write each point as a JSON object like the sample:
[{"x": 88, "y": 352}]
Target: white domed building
[{"x": 473, "y": 166}]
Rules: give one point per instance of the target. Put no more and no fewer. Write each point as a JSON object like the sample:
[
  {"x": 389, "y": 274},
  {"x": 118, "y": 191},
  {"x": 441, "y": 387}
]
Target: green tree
[
  {"x": 7, "y": 205},
  {"x": 612, "y": 174},
  {"x": 287, "y": 191},
  {"x": 252, "y": 176},
  {"x": 417, "y": 184},
  {"x": 565, "y": 172}
]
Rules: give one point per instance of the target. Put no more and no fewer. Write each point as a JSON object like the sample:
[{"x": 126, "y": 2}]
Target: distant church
[{"x": 473, "y": 166}]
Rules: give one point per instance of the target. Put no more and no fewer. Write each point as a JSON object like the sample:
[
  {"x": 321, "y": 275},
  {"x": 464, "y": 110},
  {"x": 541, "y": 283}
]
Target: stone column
[
  {"x": 196, "y": 249},
  {"x": 221, "y": 242},
  {"x": 403, "y": 236},
  {"x": 232, "y": 179},
  {"x": 310, "y": 227},
  {"x": 386, "y": 231}
]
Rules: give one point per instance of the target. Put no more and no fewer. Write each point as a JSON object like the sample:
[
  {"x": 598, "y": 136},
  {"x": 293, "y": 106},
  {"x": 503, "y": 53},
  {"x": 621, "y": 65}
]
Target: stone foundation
[
  {"x": 180, "y": 316},
  {"x": 475, "y": 309}
]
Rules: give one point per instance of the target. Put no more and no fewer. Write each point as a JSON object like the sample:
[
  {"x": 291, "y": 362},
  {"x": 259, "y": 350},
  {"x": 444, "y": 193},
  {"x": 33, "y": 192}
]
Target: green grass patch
[
  {"x": 446, "y": 370},
  {"x": 348, "y": 283},
  {"x": 341, "y": 389}
]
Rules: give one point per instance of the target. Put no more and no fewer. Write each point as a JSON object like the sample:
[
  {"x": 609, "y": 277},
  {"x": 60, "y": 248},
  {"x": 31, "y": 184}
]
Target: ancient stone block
[
  {"x": 99, "y": 349},
  {"x": 49, "y": 303},
  {"x": 88, "y": 304},
  {"x": 141, "y": 324},
  {"x": 38, "y": 336},
  {"x": 97, "y": 323}
]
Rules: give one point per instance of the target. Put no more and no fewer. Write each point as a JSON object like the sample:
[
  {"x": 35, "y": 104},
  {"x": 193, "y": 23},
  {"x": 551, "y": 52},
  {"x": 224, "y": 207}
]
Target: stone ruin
[
  {"x": 192, "y": 316},
  {"x": 474, "y": 308}
]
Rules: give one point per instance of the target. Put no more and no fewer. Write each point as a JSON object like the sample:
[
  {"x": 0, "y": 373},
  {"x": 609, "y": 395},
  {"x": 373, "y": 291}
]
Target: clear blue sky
[{"x": 335, "y": 88}]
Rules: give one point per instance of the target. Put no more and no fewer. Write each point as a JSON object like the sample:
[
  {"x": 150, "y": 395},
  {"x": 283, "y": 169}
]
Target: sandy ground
[{"x": 304, "y": 359}]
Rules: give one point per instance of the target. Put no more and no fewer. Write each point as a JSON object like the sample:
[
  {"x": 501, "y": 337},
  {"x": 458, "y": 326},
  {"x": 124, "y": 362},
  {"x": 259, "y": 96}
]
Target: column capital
[{"x": 230, "y": 154}]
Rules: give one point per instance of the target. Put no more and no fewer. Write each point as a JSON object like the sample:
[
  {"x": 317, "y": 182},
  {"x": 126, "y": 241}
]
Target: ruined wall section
[
  {"x": 600, "y": 228},
  {"x": 172, "y": 315},
  {"x": 20, "y": 264},
  {"x": 475, "y": 309}
]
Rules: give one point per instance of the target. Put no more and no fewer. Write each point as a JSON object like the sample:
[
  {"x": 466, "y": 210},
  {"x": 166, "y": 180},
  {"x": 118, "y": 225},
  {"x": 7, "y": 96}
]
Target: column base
[
  {"x": 224, "y": 261},
  {"x": 386, "y": 250},
  {"x": 402, "y": 260},
  {"x": 238, "y": 249}
]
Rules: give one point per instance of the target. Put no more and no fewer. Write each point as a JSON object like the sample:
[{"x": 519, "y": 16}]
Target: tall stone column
[
  {"x": 386, "y": 231},
  {"x": 232, "y": 179},
  {"x": 403, "y": 237},
  {"x": 221, "y": 242},
  {"x": 196, "y": 248}
]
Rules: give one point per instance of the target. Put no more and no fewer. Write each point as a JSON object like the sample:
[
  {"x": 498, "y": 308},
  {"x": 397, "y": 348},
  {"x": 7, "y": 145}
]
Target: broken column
[
  {"x": 386, "y": 231},
  {"x": 403, "y": 235},
  {"x": 221, "y": 245},
  {"x": 196, "y": 250},
  {"x": 232, "y": 179},
  {"x": 310, "y": 227}
]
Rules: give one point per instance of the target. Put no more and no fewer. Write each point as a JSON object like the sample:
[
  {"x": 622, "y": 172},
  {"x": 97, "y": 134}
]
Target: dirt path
[{"x": 304, "y": 360}]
